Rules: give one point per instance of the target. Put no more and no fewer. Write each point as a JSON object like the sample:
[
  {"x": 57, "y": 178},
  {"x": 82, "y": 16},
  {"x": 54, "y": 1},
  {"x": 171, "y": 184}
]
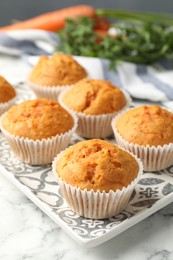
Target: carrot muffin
[
  {"x": 37, "y": 129},
  {"x": 94, "y": 97},
  {"x": 52, "y": 74},
  {"x": 98, "y": 172},
  {"x": 95, "y": 102},
  {"x": 150, "y": 129},
  {"x": 7, "y": 95}
]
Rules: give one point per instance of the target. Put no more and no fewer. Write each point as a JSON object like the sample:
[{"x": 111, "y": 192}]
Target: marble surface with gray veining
[{"x": 27, "y": 233}]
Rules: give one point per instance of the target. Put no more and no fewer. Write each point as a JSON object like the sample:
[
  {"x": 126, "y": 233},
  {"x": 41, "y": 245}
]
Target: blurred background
[{"x": 11, "y": 10}]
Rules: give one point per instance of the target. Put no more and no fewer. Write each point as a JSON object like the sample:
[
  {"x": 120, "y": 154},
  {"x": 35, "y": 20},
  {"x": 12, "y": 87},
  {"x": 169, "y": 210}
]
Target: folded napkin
[{"x": 153, "y": 83}]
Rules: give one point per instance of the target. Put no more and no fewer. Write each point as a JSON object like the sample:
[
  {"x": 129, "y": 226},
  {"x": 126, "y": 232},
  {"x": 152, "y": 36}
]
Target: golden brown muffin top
[
  {"x": 57, "y": 70},
  {"x": 37, "y": 119},
  {"x": 7, "y": 92},
  {"x": 146, "y": 125},
  {"x": 94, "y": 97},
  {"x": 98, "y": 165}
]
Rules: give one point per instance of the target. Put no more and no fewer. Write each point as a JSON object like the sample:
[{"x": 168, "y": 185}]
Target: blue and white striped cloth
[{"x": 153, "y": 83}]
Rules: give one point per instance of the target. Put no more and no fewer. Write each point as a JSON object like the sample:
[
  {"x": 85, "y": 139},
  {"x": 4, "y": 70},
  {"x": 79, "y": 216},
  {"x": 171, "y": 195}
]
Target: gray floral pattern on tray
[{"x": 40, "y": 180}]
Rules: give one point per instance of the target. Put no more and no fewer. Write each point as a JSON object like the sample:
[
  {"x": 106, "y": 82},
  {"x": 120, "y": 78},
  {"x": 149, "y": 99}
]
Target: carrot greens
[{"x": 136, "y": 40}]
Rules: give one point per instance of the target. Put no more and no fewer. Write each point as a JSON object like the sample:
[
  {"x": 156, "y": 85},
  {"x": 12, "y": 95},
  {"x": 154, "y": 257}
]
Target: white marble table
[{"x": 27, "y": 233}]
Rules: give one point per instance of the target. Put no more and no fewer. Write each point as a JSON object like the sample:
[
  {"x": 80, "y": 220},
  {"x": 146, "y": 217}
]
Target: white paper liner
[
  {"x": 5, "y": 106},
  {"x": 154, "y": 158},
  {"x": 50, "y": 92},
  {"x": 94, "y": 126},
  {"x": 96, "y": 205},
  {"x": 38, "y": 152}
]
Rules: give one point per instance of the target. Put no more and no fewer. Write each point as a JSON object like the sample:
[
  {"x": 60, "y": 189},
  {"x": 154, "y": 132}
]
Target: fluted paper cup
[
  {"x": 50, "y": 92},
  {"x": 94, "y": 126},
  {"x": 96, "y": 205},
  {"x": 38, "y": 152},
  {"x": 154, "y": 158}
]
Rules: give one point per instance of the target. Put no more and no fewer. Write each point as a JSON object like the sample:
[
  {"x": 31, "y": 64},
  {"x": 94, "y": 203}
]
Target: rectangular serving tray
[{"x": 153, "y": 192}]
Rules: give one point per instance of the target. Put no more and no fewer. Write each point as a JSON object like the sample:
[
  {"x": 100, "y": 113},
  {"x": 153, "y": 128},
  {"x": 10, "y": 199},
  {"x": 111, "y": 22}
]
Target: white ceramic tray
[{"x": 153, "y": 191}]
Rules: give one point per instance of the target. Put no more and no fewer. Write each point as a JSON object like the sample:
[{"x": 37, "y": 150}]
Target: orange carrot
[{"x": 52, "y": 21}]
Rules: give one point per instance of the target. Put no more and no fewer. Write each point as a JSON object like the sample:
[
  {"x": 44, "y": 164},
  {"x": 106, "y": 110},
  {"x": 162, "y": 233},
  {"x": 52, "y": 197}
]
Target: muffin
[
  {"x": 37, "y": 130},
  {"x": 96, "y": 177},
  {"x": 95, "y": 102},
  {"x": 7, "y": 95},
  {"x": 147, "y": 131},
  {"x": 53, "y": 74}
]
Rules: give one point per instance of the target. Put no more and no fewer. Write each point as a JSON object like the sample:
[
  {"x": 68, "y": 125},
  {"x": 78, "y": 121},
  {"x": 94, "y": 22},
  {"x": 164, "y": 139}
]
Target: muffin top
[
  {"x": 57, "y": 70},
  {"x": 37, "y": 119},
  {"x": 98, "y": 165},
  {"x": 94, "y": 97},
  {"x": 7, "y": 92},
  {"x": 146, "y": 125}
]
